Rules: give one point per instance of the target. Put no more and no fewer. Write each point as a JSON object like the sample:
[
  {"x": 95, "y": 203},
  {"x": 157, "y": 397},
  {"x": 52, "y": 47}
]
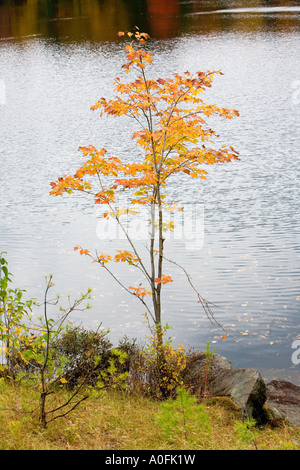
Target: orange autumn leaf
[
  {"x": 126, "y": 256},
  {"x": 163, "y": 279},
  {"x": 102, "y": 259},
  {"x": 81, "y": 250},
  {"x": 140, "y": 291}
]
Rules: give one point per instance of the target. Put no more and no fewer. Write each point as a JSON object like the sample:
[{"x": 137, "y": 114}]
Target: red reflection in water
[{"x": 164, "y": 16}]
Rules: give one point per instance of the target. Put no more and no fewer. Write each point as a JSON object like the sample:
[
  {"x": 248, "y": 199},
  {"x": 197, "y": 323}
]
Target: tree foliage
[{"x": 174, "y": 136}]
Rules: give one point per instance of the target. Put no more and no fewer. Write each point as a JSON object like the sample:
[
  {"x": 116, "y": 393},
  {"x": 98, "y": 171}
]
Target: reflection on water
[
  {"x": 58, "y": 58},
  {"x": 98, "y": 20}
]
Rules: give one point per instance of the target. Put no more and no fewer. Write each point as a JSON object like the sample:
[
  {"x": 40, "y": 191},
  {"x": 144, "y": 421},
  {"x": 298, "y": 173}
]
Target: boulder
[
  {"x": 283, "y": 400},
  {"x": 215, "y": 377}
]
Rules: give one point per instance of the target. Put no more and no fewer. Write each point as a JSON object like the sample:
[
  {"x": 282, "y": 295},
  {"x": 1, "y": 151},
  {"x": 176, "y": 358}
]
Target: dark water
[{"x": 56, "y": 59}]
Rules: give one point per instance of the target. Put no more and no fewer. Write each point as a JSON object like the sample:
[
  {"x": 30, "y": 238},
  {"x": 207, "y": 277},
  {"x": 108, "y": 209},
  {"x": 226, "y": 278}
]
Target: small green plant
[
  {"x": 209, "y": 355},
  {"x": 184, "y": 422},
  {"x": 59, "y": 362},
  {"x": 47, "y": 366},
  {"x": 290, "y": 445},
  {"x": 114, "y": 376},
  {"x": 52, "y": 356},
  {"x": 14, "y": 316},
  {"x": 247, "y": 433}
]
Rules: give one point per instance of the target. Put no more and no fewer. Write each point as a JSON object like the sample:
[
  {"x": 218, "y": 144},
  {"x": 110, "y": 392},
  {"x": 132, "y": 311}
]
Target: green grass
[{"x": 119, "y": 421}]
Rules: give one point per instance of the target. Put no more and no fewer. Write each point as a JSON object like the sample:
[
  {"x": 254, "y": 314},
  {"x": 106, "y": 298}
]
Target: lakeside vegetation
[
  {"x": 64, "y": 387},
  {"x": 120, "y": 421}
]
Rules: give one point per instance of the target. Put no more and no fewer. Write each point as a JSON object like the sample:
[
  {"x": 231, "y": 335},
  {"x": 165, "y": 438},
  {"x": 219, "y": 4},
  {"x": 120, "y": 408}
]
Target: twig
[{"x": 205, "y": 303}]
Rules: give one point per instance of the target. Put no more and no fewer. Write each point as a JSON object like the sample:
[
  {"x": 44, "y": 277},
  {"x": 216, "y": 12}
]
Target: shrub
[
  {"x": 15, "y": 313},
  {"x": 157, "y": 368},
  {"x": 86, "y": 351}
]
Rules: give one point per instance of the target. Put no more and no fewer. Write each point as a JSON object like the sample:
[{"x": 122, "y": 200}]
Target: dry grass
[{"x": 117, "y": 421}]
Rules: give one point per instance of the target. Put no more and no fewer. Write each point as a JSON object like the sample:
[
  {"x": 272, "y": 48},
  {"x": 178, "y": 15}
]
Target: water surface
[{"x": 56, "y": 60}]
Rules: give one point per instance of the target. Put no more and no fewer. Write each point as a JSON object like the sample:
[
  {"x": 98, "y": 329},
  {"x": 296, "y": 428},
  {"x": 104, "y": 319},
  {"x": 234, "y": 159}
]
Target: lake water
[{"x": 56, "y": 60}]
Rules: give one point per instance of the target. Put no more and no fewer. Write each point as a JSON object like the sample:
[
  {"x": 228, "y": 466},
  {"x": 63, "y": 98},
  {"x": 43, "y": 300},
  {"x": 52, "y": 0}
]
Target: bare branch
[{"x": 204, "y": 303}]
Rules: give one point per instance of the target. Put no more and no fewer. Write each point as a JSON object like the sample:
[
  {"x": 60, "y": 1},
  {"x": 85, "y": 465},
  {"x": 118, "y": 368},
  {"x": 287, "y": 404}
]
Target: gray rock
[
  {"x": 283, "y": 400},
  {"x": 245, "y": 387},
  {"x": 217, "y": 378}
]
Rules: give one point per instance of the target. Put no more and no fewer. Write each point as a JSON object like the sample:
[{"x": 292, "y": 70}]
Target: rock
[
  {"x": 283, "y": 400},
  {"x": 245, "y": 387},
  {"x": 217, "y": 378}
]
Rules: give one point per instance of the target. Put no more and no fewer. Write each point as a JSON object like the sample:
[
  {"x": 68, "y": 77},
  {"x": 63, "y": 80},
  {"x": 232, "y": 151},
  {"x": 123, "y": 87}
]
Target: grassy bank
[{"x": 118, "y": 421}]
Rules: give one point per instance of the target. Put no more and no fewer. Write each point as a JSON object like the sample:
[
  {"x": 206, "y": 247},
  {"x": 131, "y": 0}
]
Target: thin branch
[
  {"x": 71, "y": 398},
  {"x": 69, "y": 411},
  {"x": 122, "y": 285},
  {"x": 205, "y": 304}
]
